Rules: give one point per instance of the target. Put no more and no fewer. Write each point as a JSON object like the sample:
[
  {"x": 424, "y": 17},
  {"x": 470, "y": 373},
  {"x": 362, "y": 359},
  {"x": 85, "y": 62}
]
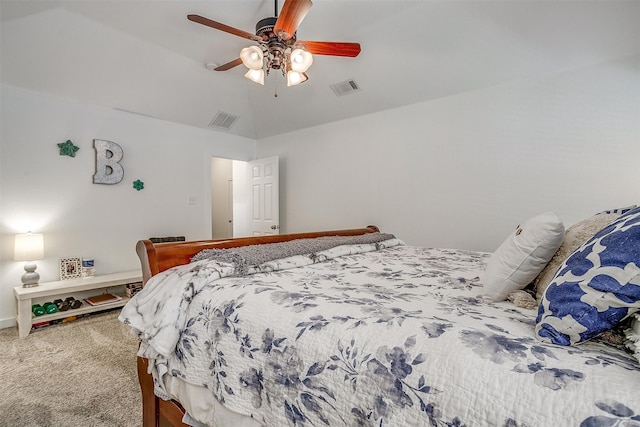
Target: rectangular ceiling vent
[
  {"x": 223, "y": 120},
  {"x": 345, "y": 87}
]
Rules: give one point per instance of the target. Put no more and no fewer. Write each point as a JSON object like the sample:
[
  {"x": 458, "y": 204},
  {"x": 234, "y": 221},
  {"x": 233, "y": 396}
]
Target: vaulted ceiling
[{"x": 145, "y": 57}]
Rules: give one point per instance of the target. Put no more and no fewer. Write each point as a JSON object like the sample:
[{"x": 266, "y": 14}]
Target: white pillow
[{"x": 521, "y": 257}]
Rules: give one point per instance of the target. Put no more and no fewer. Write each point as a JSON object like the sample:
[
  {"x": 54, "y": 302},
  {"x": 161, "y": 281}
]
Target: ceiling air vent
[
  {"x": 345, "y": 87},
  {"x": 223, "y": 120}
]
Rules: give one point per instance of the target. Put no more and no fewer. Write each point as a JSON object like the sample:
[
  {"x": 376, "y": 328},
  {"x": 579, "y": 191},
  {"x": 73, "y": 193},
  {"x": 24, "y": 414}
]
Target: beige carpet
[{"x": 81, "y": 373}]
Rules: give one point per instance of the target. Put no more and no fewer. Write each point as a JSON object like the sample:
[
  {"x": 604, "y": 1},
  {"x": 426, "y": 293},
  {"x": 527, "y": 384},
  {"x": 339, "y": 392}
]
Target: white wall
[
  {"x": 44, "y": 192},
  {"x": 463, "y": 171},
  {"x": 457, "y": 172}
]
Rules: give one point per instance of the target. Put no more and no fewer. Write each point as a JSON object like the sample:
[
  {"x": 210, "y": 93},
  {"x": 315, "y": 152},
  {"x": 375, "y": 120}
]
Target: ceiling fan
[{"x": 278, "y": 47}]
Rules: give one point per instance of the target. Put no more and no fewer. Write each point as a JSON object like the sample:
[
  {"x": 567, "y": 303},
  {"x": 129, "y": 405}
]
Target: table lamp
[{"x": 29, "y": 247}]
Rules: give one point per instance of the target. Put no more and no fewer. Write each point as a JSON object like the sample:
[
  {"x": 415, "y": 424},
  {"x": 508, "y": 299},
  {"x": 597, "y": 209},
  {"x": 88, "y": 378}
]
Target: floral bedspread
[{"x": 393, "y": 337}]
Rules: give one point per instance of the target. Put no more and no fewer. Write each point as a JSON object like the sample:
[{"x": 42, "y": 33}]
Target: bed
[{"x": 355, "y": 328}]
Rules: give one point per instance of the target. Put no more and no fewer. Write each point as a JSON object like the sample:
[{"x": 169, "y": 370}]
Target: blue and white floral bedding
[{"x": 374, "y": 335}]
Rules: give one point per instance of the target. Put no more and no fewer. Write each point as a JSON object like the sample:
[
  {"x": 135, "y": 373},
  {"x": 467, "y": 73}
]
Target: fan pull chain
[{"x": 275, "y": 84}]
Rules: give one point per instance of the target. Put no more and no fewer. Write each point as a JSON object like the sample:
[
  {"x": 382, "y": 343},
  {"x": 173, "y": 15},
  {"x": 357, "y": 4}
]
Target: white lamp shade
[
  {"x": 252, "y": 57},
  {"x": 256, "y": 76},
  {"x": 28, "y": 247},
  {"x": 301, "y": 60},
  {"x": 295, "y": 78}
]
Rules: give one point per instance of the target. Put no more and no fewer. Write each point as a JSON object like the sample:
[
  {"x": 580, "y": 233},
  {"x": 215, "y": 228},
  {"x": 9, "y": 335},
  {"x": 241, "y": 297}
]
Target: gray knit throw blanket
[{"x": 247, "y": 256}]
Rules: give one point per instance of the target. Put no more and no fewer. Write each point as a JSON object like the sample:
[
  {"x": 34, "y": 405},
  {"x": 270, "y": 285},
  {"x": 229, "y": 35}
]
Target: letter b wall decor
[{"x": 108, "y": 168}]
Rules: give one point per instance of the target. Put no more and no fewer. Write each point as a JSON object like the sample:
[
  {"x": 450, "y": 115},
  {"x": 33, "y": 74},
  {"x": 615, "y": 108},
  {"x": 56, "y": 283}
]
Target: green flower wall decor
[
  {"x": 138, "y": 185},
  {"x": 68, "y": 149}
]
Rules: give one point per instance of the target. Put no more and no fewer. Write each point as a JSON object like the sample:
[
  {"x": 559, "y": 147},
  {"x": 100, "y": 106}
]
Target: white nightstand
[{"x": 26, "y": 297}]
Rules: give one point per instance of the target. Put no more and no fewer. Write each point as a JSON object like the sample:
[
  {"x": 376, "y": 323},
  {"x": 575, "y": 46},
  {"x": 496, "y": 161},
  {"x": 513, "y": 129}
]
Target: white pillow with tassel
[{"x": 522, "y": 256}]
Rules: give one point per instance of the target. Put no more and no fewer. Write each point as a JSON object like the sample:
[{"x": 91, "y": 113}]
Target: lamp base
[
  {"x": 30, "y": 285},
  {"x": 30, "y": 277}
]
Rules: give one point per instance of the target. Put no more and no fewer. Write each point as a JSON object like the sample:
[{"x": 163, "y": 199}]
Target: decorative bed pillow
[
  {"x": 618, "y": 211},
  {"x": 522, "y": 256},
  {"x": 633, "y": 335},
  {"x": 575, "y": 237},
  {"x": 596, "y": 287}
]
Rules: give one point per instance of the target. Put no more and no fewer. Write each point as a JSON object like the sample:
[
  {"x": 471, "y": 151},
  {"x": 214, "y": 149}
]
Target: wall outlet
[{"x": 192, "y": 200}]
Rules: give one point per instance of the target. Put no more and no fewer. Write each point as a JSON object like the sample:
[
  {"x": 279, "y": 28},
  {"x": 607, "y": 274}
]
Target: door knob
[{"x": 275, "y": 227}]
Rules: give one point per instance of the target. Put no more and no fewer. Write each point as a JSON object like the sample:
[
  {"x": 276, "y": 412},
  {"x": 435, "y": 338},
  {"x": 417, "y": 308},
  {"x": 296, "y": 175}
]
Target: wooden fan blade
[
  {"x": 331, "y": 48},
  {"x": 222, "y": 27},
  {"x": 229, "y": 65},
  {"x": 291, "y": 15}
]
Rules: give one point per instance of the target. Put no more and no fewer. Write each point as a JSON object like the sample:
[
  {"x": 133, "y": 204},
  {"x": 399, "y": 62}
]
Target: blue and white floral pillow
[
  {"x": 596, "y": 287},
  {"x": 619, "y": 211}
]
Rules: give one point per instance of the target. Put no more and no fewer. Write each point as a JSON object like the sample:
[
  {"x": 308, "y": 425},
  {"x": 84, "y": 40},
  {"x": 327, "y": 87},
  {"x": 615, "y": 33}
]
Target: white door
[{"x": 262, "y": 180}]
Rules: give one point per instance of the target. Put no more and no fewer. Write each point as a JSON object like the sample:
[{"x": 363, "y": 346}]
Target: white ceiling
[{"x": 146, "y": 57}]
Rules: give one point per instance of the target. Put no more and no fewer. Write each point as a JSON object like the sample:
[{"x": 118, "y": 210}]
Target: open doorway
[
  {"x": 228, "y": 198},
  {"x": 221, "y": 198},
  {"x": 244, "y": 197}
]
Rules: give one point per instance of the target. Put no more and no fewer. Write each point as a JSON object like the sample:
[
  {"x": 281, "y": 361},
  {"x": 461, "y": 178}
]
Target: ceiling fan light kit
[
  {"x": 252, "y": 57},
  {"x": 295, "y": 78},
  {"x": 278, "y": 47},
  {"x": 256, "y": 76},
  {"x": 301, "y": 60}
]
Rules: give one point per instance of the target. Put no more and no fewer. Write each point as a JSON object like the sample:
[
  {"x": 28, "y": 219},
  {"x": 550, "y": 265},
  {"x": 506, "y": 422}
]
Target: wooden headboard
[{"x": 157, "y": 257}]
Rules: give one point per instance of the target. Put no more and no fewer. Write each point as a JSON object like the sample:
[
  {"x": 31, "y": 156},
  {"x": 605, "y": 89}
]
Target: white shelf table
[{"x": 25, "y": 297}]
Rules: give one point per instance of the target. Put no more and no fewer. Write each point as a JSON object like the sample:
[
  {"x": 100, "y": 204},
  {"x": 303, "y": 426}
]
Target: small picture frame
[{"x": 70, "y": 268}]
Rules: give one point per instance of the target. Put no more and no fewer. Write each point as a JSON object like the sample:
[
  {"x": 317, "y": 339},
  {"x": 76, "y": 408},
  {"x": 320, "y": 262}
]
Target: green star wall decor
[
  {"x": 68, "y": 149},
  {"x": 138, "y": 185}
]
